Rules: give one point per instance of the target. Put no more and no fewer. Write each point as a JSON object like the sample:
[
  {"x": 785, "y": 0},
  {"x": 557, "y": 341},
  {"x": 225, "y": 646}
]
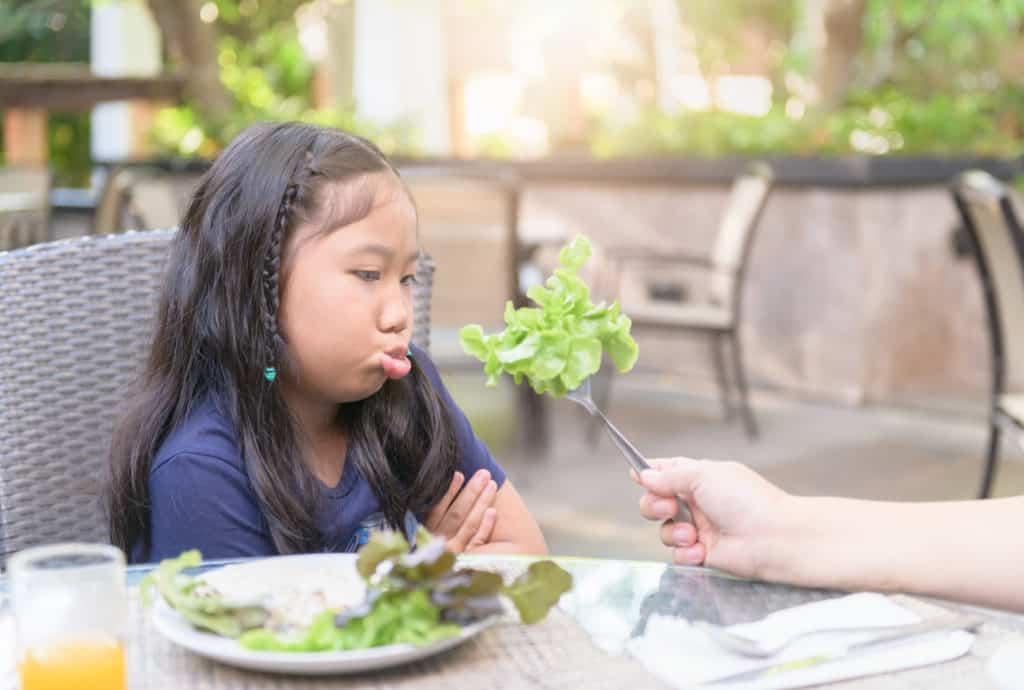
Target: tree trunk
[
  {"x": 836, "y": 30},
  {"x": 193, "y": 44}
]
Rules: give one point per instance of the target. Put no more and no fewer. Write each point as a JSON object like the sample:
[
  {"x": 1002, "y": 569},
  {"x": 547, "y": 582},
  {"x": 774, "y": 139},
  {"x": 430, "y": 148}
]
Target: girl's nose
[{"x": 397, "y": 311}]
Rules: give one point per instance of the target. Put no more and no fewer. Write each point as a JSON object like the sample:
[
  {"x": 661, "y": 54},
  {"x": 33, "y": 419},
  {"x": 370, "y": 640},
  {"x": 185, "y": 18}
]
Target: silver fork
[
  {"x": 741, "y": 644},
  {"x": 635, "y": 459}
]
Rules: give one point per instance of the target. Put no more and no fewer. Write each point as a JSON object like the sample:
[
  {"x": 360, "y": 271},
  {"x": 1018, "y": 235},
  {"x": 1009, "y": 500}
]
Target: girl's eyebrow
[{"x": 383, "y": 251}]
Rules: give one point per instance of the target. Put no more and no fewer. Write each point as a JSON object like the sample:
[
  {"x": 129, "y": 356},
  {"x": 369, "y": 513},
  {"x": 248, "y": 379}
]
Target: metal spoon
[
  {"x": 746, "y": 646},
  {"x": 635, "y": 459}
]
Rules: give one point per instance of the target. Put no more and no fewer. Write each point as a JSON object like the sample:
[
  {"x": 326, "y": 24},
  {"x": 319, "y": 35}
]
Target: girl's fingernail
[{"x": 683, "y": 534}]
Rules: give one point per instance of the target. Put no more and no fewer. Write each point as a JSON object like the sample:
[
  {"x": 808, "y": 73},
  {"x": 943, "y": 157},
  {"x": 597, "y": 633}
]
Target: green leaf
[
  {"x": 473, "y": 342},
  {"x": 427, "y": 563},
  {"x": 199, "y": 604},
  {"x": 552, "y": 356},
  {"x": 538, "y": 589},
  {"x": 524, "y": 350},
  {"x": 558, "y": 344},
  {"x": 583, "y": 361},
  {"x": 383, "y": 545},
  {"x": 576, "y": 254},
  {"x": 538, "y": 294},
  {"x": 468, "y": 595},
  {"x": 164, "y": 577},
  {"x": 623, "y": 350},
  {"x": 320, "y": 636}
]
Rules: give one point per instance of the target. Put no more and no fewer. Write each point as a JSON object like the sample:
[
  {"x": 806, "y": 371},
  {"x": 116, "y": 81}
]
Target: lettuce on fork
[
  {"x": 413, "y": 596},
  {"x": 558, "y": 344}
]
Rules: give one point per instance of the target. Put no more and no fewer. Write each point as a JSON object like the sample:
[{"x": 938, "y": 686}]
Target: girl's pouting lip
[{"x": 395, "y": 363}]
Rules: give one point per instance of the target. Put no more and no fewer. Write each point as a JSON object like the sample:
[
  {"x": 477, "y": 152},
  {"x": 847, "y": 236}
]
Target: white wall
[
  {"x": 399, "y": 67},
  {"x": 125, "y": 42}
]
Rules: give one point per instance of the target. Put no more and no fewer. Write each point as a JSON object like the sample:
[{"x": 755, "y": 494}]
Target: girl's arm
[
  {"x": 515, "y": 530},
  {"x": 483, "y": 523}
]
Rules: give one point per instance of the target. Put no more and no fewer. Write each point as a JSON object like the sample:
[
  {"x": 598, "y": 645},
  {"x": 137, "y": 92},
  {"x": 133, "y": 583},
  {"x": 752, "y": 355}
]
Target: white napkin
[
  {"x": 1006, "y": 665},
  {"x": 684, "y": 656}
]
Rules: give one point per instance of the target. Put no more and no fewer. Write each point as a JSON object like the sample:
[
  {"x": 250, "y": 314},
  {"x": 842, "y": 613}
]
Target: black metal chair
[
  {"x": 719, "y": 318},
  {"x": 996, "y": 241},
  {"x": 75, "y": 324}
]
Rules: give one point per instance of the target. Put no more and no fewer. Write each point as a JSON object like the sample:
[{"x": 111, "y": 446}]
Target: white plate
[{"x": 257, "y": 577}]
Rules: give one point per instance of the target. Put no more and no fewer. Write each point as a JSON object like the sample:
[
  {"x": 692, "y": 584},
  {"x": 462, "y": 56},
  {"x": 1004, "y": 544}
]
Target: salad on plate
[{"x": 395, "y": 595}]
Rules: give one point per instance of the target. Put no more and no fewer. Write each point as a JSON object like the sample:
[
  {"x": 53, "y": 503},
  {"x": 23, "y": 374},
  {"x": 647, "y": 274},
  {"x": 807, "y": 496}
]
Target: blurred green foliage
[
  {"x": 886, "y": 121},
  {"x": 932, "y": 77},
  {"x": 269, "y": 78},
  {"x": 262, "y": 67}
]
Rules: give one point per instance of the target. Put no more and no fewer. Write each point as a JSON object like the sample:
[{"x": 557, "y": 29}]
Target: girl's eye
[
  {"x": 409, "y": 280},
  {"x": 368, "y": 276}
]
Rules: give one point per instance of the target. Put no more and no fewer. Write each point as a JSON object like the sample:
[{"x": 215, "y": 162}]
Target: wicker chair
[{"x": 75, "y": 323}]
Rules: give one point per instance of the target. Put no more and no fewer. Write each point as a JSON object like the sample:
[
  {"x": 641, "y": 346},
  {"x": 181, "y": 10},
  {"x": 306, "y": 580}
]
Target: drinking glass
[{"x": 70, "y": 611}]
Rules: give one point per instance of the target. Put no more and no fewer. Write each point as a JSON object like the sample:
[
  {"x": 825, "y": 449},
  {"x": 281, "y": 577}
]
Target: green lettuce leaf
[
  {"x": 560, "y": 343},
  {"x": 538, "y": 589},
  {"x": 393, "y": 618},
  {"x": 200, "y": 605},
  {"x": 385, "y": 546}
]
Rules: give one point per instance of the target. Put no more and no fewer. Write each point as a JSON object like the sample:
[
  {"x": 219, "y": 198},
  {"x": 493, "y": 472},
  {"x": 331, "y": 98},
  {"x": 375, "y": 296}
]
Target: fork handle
[
  {"x": 637, "y": 461},
  {"x": 942, "y": 624}
]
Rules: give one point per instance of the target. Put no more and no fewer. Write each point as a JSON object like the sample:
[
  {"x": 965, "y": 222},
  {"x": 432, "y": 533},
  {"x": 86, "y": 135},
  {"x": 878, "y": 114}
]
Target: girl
[{"x": 282, "y": 409}]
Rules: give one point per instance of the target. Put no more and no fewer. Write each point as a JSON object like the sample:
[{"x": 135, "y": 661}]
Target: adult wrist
[{"x": 789, "y": 540}]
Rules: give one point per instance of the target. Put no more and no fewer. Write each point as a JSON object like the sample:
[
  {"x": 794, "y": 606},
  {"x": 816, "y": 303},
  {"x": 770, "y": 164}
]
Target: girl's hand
[
  {"x": 466, "y": 520},
  {"x": 739, "y": 517}
]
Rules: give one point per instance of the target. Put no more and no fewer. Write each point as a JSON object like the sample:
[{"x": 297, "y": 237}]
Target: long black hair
[{"x": 216, "y": 331}]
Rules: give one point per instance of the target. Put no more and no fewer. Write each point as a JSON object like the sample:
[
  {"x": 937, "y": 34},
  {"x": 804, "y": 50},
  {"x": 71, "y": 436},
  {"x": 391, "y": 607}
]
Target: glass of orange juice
[{"x": 70, "y": 610}]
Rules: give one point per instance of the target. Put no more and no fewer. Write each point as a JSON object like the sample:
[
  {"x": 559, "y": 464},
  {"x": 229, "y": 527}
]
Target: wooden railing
[{"x": 29, "y": 91}]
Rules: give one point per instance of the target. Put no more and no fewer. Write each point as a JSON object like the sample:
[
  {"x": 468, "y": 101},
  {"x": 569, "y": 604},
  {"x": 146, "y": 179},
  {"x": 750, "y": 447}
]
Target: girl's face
[{"x": 346, "y": 291}]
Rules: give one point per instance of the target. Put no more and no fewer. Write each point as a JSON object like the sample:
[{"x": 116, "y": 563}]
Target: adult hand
[{"x": 738, "y": 515}]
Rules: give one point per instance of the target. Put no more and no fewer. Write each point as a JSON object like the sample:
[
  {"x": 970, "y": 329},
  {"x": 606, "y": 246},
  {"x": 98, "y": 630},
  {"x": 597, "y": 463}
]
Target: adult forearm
[{"x": 969, "y": 550}]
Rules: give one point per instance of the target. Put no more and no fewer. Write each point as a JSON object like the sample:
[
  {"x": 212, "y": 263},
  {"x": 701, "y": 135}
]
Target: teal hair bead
[
  {"x": 409, "y": 353},
  {"x": 270, "y": 373}
]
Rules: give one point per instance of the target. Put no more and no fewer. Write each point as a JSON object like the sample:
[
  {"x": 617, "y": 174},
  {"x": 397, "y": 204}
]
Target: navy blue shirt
[{"x": 201, "y": 497}]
